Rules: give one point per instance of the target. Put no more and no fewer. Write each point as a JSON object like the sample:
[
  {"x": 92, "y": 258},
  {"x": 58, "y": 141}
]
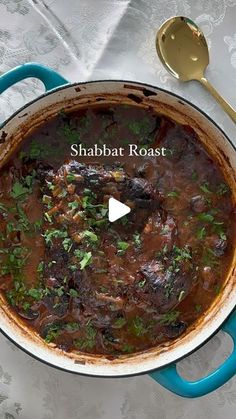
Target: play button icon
[{"x": 116, "y": 210}]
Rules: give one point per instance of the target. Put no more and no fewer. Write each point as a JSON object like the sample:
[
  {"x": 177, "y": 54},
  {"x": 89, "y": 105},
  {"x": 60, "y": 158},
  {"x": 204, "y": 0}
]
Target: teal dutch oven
[{"x": 160, "y": 362}]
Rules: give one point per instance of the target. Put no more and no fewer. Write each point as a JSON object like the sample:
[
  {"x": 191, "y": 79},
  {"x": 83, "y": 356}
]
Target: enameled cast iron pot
[{"x": 159, "y": 362}]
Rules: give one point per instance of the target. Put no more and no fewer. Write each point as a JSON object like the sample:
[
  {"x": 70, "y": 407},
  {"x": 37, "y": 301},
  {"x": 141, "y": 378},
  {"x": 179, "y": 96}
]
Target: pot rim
[
  {"x": 181, "y": 99},
  {"x": 134, "y": 374},
  {"x": 141, "y": 84}
]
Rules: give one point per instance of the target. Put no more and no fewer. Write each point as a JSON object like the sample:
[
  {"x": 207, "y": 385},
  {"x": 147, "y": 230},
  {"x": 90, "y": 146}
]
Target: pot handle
[
  {"x": 50, "y": 78},
  {"x": 169, "y": 378}
]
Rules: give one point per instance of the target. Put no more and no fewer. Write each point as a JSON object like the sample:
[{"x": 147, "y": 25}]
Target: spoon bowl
[{"x": 182, "y": 49}]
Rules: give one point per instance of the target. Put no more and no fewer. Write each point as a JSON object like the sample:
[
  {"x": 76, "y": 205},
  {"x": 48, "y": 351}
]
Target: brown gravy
[{"x": 85, "y": 284}]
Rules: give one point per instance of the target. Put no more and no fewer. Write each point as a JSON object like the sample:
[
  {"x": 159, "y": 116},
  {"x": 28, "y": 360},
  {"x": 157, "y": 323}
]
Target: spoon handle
[{"x": 225, "y": 105}]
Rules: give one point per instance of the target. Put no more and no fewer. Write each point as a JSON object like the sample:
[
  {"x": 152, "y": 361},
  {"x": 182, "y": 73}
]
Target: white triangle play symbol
[{"x": 116, "y": 210}]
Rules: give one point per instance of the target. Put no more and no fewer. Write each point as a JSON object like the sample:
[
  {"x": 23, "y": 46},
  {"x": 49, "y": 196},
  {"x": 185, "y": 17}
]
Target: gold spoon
[{"x": 182, "y": 48}]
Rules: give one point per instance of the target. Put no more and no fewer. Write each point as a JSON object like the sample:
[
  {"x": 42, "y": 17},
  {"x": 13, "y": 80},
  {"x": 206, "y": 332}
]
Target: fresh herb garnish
[
  {"x": 178, "y": 256},
  {"x": 169, "y": 318},
  {"x": 120, "y": 322},
  {"x": 223, "y": 189},
  {"x": 141, "y": 128},
  {"x": 90, "y": 235},
  {"x": 85, "y": 258},
  {"x": 53, "y": 233},
  {"x": 15, "y": 260},
  {"x": 73, "y": 268},
  {"x": 142, "y": 283},
  {"x": 71, "y": 134},
  {"x": 173, "y": 194},
  {"x": 19, "y": 190},
  {"x": 37, "y": 225},
  {"x": 52, "y": 333},
  {"x": 73, "y": 293},
  {"x": 60, "y": 291},
  {"x": 137, "y": 239},
  {"x": 217, "y": 226},
  {"x": 40, "y": 267},
  {"x": 71, "y": 326},
  {"x": 201, "y": 233},
  {"x": 24, "y": 187},
  {"x": 205, "y": 187},
  {"x": 122, "y": 247},
  {"x": 209, "y": 258},
  {"x": 3, "y": 209},
  {"x": 138, "y": 326},
  {"x": 23, "y": 221},
  {"x": 16, "y": 295},
  {"x": 217, "y": 289},
  {"x": 194, "y": 176},
  {"x": 35, "y": 293},
  {"x": 198, "y": 308},
  {"x": 67, "y": 244},
  {"x": 73, "y": 205},
  {"x": 165, "y": 230},
  {"x": 206, "y": 217},
  {"x": 124, "y": 220},
  {"x": 48, "y": 217},
  {"x": 87, "y": 342},
  {"x": 127, "y": 348},
  {"x": 70, "y": 177},
  {"x": 181, "y": 295}
]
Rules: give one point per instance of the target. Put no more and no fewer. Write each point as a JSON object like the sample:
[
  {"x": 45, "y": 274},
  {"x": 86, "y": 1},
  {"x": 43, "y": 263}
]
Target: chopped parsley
[
  {"x": 3, "y": 209},
  {"x": 205, "y": 188},
  {"x": 85, "y": 258},
  {"x": 122, "y": 247},
  {"x": 209, "y": 258},
  {"x": 194, "y": 176},
  {"x": 201, "y": 233},
  {"x": 138, "y": 326},
  {"x": 70, "y": 133},
  {"x": 19, "y": 190},
  {"x": 173, "y": 194},
  {"x": 89, "y": 340},
  {"x": 70, "y": 177},
  {"x": 206, "y": 217},
  {"x": 142, "y": 283},
  {"x": 120, "y": 322},
  {"x": 137, "y": 239},
  {"x": 40, "y": 267},
  {"x": 181, "y": 295},
  {"x": 15, "y": 260},
  {"x": 90, "y": 236},
  {"x": 52, "y": 333},
  {"x": 73, "y": 293},
  {"x": 48, "y": 217},
  {"x": 67, "y": 244},
  {"x": 169, "y": 318},
  {"x": 141, "y": 127},
  {"x": 127, "y": 348},
  {"x": 35, "y": 293},
  {"x": 73, "y": 205},
  {"x": 217, "y": 226},
  {"x": 198, "y": 308},
  {"x": 71, "y": 326},
  {"x": 178, "y": 256},
  {"x": 222, "y": 189},
  {"x": 53, "y": 233}
]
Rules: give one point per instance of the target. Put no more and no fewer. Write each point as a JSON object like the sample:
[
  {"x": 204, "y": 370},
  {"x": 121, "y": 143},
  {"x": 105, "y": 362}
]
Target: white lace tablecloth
[{"x": 102, "y": 39}]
